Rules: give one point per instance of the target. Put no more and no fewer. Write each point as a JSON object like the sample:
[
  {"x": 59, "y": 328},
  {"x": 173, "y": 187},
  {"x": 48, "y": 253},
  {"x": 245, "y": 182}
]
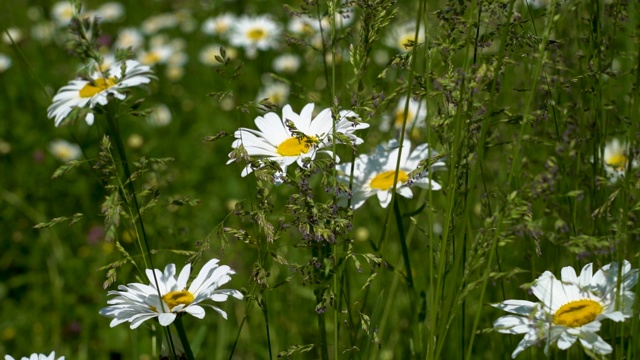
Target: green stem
[
  {"x": 265, "y": 313},
  {"x": 183, "y": 338},
  {"x": 113, "y": 130}
]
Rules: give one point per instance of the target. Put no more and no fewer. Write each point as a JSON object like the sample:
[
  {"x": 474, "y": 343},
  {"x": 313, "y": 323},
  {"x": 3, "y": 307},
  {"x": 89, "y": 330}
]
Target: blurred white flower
[
  {"x": 415, "y": 115},
  {"x": 64, "y": 150},
  {"x": 129, "y": 38},
  {"x": 5, "y": 63},
  {"x": 208, "y": 54},
  {"x": 616, "y": 157},
  {"x": 160, "y": 115},
  {"x": 218, "y": 25},
  {"x": 110, "y": 11},
  {"x": 287, "y": 63},
  {"x": 403, "y": 37},
  {"x": 159, "y": 22},
  {"x": 14, "y": 33},
  {"x": 276, "y": 92},
  {"x": 36, "y": 356},
  {"x": 255, "y": 33},
  {"x": 62, "y": 12}
]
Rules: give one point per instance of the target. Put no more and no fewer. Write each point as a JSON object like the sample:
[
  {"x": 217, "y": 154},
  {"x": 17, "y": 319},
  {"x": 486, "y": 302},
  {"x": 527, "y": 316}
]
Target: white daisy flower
[
  {"x": 62, "y": 12},
  {"x": 36, "y": 356},
  {"x": 95, "y": 91},
  {"x": 286, "y": 63},
  {"x": 303, "y": 25},
  {"x": 137, "y": 303},
  {"x": 14, "y": 34},
  {"x": 155, "y": 55},
  {"x": 536, "y": 4},
  {"x": 160, "y": 115},
  {"x": 402, "y": 37},
  {"x": 218, "y": 25},
  {"x": 64, "y": 150},
  {"x": 374, "y": 174},
  {"x": 5, "y": 63},
  {"x": 129, "y": 38},
  {"x": 254, "y": 33},
  {"x": 570, "y": 309},
  {"x": 276, "y": 92},
  {"x": 208, "y": 54},
  {"x": 154, "y": 24},
  {"x": 416, "y": 114},
  {"x": 110, "y": 11},
  {"x": 616, "y": 158},
  {"x": 274, "y": 140}
]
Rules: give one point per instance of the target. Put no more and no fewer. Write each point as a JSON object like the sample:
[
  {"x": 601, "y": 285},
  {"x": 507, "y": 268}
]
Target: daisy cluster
[
  {"x": 571, "y": 309},
  {"x": 297, "y": 138}
]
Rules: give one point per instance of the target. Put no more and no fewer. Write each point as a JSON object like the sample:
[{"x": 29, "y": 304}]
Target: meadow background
[{"x": 521, "y": 102}]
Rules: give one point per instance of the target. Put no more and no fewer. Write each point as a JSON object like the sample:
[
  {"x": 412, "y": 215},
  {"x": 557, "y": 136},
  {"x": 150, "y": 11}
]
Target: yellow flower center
[
  {"x": 577, "y": 313},
  {"x": 617, "y": 161},
  {"x": 150, "y": 58},
  {"x": 405, "y": 40},
  {"x": 384, "y": 181},
  {"x": 64, "y": 153},
  {"x": 296, "y": 146},
  {"x": 175, "y": 298},
  {"x": 400, "y": 118},
  {"x": 256, "y": 34},
  {"x": 222, "y": 27},
  {"x": 98, "y": 85}
]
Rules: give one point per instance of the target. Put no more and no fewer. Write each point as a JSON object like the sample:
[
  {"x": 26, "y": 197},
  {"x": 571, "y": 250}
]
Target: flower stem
[
  {"x": 111, "y": 110},
  {"x": 183, "y": 338}
]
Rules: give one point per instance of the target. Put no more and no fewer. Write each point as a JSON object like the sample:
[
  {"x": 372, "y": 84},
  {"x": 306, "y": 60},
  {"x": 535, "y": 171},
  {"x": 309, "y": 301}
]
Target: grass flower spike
[
  {"x": 276, "y": 142},
  {"x": 96, "y": 89},
  {"x": 374, "y": 174},
  {"x": 37, "y": 356},
  {"x": 570, "y": 309},
  {"x": 137, "y": 303}
]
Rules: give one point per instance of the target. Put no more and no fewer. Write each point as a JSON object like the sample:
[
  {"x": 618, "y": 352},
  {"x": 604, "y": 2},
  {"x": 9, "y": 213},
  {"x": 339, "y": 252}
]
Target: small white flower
[
  {"x": 156, "y": 55},
  {"x": 218, "y": 25},
  {"x": 5, "y": 63},
  {"x": 403, "y": 37},
  {"x": 36, "y": 356},
  {"x": 81, "y": 93},
  {"x": 415, "y": 115},
  {"x": 570, "y": 309},
  {"x": 286, "y": 63},
  {"x": 62, "y": 12},
  {"x": 137, "y": 303},
  {"x": 616, "y": 159},
  {"x": 160, "y": 115},
  {"x": 110, "y": 11},
  {"x": 276, "y": 92},
  {"x": 15, "y": 34},
  {"x": 154, "y": 24},
  {"x": 274, "y": 140},
  {"x": 374, "y": 174},
  {"x": 64, "y": 150},
  {"x": 208, "y": 54},
  {"x": 303, "y": 25},
  {"x": 255, "y": 33},
  {"x": 129, "y": 38}
]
